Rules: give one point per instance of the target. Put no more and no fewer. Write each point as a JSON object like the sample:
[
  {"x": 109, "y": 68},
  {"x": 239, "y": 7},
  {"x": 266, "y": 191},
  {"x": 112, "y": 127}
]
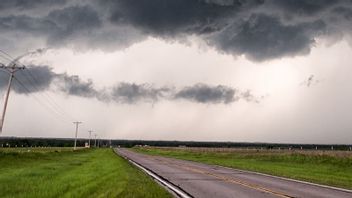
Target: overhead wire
[
  {"x": 7, "y": 54},
  {"x": 33, "y": 82},
  {"x": 51, "y": 105},
  {"x": 5, "y": 58},
  {"x": 28, "y": 92}
]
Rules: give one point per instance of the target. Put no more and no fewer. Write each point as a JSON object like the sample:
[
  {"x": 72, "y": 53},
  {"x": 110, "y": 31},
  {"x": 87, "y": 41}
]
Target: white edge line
[
  {"x": 287, "y": 179},
  {"x": 165, "y": 183},
  {"x": 156, "y": 177}
]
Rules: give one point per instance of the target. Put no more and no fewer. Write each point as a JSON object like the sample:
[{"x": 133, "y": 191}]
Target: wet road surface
[{"x": 208, "y": 181}]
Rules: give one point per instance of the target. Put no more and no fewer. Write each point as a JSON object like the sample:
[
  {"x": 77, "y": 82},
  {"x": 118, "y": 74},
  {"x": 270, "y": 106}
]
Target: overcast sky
[{"x": 203, "y": 70}]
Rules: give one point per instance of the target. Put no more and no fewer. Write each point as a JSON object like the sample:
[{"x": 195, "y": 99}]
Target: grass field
[
  {"x": 325, "y": 167},
  {"x": 65, "y": 173}
]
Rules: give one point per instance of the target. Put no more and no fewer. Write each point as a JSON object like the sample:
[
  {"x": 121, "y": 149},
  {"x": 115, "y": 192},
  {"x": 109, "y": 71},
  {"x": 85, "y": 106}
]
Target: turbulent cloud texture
[
  {"x": 206, "y": 94},
  {"x": 25, "y": 4},
  {"x": 41, "y": 78},
  {"x": 259, "y": 29},
  {"x": 73, "y": 85},
  {"x": 25, "y": 82},
  {"x": 131, "y": 93}
]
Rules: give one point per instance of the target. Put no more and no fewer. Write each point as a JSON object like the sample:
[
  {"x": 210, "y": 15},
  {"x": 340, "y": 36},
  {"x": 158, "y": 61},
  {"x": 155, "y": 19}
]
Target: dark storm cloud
[
  {"x": 28, "y": 4},
  {"x": 169, "y": 18},
  {"x": 34, "y": 78},
  {"x": 260, "y": 30},
  {"x": 23, "y": 23},
  {"x": 57, "y": 27},
  {"x": 345, "y": 12},
  {"x": 200, "y": 93},
  {"x": 203, "y": 93},
  {"x": 304, "y": 7},
  {"x": 73, "y": 85},
  {"x": 132, "y": 93},
  {"x": 264, "y": 37},
  {"x": 73, "y": 20}
]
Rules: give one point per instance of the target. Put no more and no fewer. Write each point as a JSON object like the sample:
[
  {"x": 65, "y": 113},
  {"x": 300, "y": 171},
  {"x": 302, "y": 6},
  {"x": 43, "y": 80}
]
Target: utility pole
[
  {"x": 95, "y": 141},
  {"x": 11, "y": 68},
  {"x": 90, "y": 134},
  {"x": 76, "y": 123}
]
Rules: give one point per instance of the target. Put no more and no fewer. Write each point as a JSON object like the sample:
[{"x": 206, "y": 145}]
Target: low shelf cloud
[{"x": 123, "y": 92}]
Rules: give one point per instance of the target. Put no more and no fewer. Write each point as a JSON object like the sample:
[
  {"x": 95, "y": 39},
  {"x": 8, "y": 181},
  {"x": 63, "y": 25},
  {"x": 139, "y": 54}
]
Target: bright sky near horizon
[{"x": 208, "y": 70}]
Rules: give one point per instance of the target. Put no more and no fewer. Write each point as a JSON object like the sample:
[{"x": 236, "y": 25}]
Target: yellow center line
[{"x": 226, "y": 179}]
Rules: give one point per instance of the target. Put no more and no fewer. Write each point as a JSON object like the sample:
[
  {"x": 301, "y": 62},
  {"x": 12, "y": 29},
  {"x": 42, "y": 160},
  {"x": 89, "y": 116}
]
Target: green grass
[
  {"x": 66, "y": 173},
  {"x": 319, "y": 167}
]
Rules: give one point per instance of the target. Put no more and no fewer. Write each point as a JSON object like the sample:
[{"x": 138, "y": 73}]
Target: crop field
[
  {"x": 62, "y": 172},
  {"x": 325, "y": 167}
]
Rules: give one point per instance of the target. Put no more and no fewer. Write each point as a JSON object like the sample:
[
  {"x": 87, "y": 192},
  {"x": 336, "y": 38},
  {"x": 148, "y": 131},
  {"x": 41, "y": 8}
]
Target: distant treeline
[{"x": 68, "y": 142}]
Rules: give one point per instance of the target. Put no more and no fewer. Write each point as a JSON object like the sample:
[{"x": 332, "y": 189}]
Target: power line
[
  {"x": 51, "y": 104},
  {"x": 48, "y": 108},
  {"x": 37, "y": 91},
  {"x": 32, "y": 81},
  {"x": 52, "y": 100},
  {"x": 28, "y": 92},
  {"x": 6, "y": 58},
  {"x": 7, "y": 54}
]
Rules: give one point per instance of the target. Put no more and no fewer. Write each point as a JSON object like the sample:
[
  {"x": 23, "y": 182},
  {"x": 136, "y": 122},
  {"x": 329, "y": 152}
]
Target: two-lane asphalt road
[{"x": 201, "y": 180}]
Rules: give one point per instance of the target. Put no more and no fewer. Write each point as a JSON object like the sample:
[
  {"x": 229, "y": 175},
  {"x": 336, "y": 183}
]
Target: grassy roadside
[
  {"x": 64, "y": 173},
  {"x": 329, "y": 169}
]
